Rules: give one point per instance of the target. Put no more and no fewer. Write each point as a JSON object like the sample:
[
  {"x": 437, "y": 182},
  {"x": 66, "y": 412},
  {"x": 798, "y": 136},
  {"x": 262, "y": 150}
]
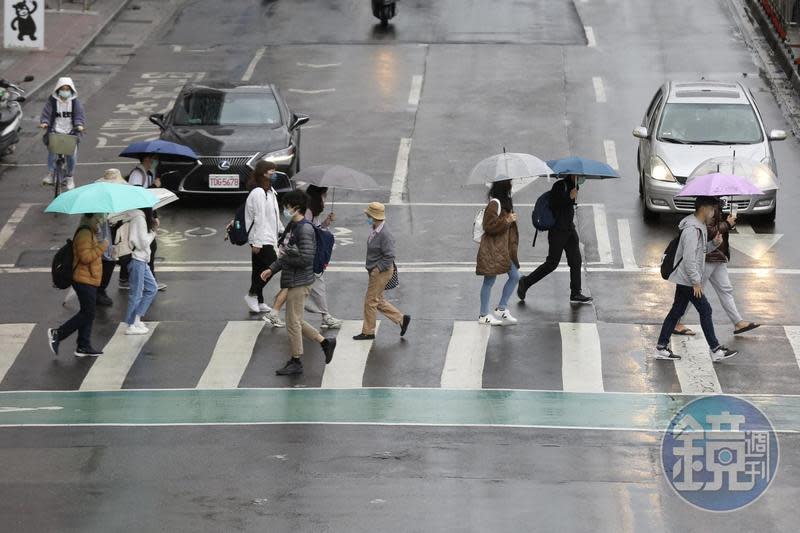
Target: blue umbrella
[
  {"x": 102, "y": 197},
  {"x": 164, "y": 149},
  {"x": 580, "y": 166}
]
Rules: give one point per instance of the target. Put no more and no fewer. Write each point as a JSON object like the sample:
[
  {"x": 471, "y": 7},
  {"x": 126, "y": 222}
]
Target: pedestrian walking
[
  {"x": 108, "y": 231},
  {"x": 145, "y": 175},
  {"x": 87, "y": 254},
  {"x": 716, "y": 272},
  {"x": 63, "y": 113},
  {"x": 143, "y": 287},
  {"x": 381, "y": 266},
  {"x": 497, "y": 254},
  {"x": 263, "y": 222},
  {"x": 317, "y": 302},
  {"x": 562, "y": 237},
  {"x": 296, "y": 267},
  {"x": 689, "y": 265}
]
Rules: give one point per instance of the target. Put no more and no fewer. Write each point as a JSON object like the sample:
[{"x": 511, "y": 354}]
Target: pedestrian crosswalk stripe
[
  {"x": 231, "y": 355},
  {"x": 695, "y": 370},
  {"x": 12, "y": 339},
  {"x": 346, "y": 371},
  {"x": 581, "y": 357},
  {"x": 110, "y": 369},
  {"x": 466, "y": 353},
  {"x": 793, "y": 334}
]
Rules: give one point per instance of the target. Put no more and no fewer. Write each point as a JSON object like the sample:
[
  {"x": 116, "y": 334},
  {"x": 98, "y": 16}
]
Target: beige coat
[{"x": 499, "y": 244}]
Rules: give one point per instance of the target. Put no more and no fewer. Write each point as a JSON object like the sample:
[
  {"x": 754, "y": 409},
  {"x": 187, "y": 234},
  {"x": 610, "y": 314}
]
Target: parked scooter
[
  {"x": 11, "y": 96},
  {"x": 384, "y": 10}
]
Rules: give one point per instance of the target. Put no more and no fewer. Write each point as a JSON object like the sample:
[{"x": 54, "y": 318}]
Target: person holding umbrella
[{"x": 143, "y": 287}]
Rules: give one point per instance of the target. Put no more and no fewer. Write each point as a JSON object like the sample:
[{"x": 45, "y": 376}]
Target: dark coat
[
  {"x": 297, "y": 263},
  {"x": 719, "y": 226},
  {"x": 499, "y": 243},
  {"x": 562, "y": 205}
]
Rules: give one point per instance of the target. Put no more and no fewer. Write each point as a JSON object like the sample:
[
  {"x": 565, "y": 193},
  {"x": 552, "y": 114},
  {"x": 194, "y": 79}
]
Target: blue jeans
[
  {"x": 508, "y": 289},
  {"x": 143, "y": 289},
  {"x": 683, "y": 295},
  {"x": 69, "y": 168}
]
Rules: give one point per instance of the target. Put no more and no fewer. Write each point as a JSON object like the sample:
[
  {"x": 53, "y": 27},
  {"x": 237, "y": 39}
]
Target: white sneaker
[
  {"x": 274, "y": 320},
  {"x": 505, "y": 316},
  {"x": 48, "y": 180},
  {"x": 133, "y": 329},
  {"x": 722, "y": 353},
  {"x": 264, "y": 308},
  {"x": 141, "y": 325},
  {"x": 490, "y": 320},
  {"x": 252, "y": 303},
  {"x": 328, "y": 322},
  {"x": 161, "y": 286},
  {"x": 69, "y": 183}
]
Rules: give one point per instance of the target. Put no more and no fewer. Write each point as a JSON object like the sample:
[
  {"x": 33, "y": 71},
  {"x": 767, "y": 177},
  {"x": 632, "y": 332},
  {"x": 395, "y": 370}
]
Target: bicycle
[{"x": 61, "y": 145}]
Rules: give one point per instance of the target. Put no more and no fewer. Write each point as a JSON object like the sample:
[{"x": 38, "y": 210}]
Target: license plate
[{"x": 223, "y": 181}]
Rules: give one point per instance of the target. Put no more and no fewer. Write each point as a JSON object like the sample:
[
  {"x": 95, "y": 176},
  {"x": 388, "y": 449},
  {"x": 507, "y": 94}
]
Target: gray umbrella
[{"x": 333, "y": 176}]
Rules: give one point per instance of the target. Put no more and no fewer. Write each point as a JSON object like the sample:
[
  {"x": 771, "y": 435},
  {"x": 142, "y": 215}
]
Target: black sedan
[{"x": 231, "y": 127}]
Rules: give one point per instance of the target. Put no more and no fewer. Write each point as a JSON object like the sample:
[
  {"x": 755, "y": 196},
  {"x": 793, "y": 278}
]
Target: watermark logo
[{"x": 720, "y": 453}]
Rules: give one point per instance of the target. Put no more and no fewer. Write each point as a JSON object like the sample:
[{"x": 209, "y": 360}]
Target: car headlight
[
  {"x": 280, "y": 156},
  {"x": 659, "y": 170}
]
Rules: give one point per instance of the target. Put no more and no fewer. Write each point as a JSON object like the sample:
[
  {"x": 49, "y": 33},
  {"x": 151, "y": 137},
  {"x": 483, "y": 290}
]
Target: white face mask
[
  {"x": 288, "y": 213},
  {"x": 64, "y": 94}
]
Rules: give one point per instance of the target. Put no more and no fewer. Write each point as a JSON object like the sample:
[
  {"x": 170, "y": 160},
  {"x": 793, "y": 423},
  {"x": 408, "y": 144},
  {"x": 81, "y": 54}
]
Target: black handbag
[{"x": 394, "y": 281}]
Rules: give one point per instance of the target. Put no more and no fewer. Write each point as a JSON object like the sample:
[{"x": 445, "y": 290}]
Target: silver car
[{"x": 690, "y": 122}]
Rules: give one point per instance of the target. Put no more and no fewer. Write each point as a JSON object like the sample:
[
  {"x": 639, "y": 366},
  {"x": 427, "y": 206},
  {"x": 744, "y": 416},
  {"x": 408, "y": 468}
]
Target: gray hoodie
[{"x": 693, "y": 247}]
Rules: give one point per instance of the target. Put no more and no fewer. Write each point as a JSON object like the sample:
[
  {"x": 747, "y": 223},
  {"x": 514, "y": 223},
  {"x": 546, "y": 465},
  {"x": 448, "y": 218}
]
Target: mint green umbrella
[{"x": 102, "y": 198}]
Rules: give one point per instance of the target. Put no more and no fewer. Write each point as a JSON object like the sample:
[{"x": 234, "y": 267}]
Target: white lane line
[
  {"x": 695, "y": 370},
  {"x": 581, "y": 357},
  {"x": 346, "y": 371},
  {"x": 626, "y": 244},
  {"x": 312, "y": 91},
  {"x": 603, "y": 238},
  {"x": 610, "y": 148},
  {"x": 466, "y": 353},
  {"x": 793, "y": 334},
  {"x": 251, "y": 68},
  {"x": 109, "y": 371},
  {"x": 12, "y": 339},
  {"x": 13, "y": 221},
  {"x": 177, "y": 48},
  {"x": 231, "y": 355},
  {"x": 316, "y": 65},
  {"x": 591, "y": 42},
  {"x": 416, "y": 90},
  {"x": 599, "y": 90},
  {"x": 400, "y": 172}
]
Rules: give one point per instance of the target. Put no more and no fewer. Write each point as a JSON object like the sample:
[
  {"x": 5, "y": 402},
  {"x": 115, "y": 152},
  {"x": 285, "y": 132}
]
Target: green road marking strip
[{"x": 434, "y": 407}]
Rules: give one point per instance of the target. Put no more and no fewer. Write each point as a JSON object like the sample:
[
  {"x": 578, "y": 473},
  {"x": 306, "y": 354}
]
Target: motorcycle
[
  {"x": 384, "y": 10},
  {"x": 11, "y": 96}
]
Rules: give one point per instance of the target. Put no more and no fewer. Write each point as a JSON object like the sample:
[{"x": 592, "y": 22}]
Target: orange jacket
[{"x": 87, "y": 259}]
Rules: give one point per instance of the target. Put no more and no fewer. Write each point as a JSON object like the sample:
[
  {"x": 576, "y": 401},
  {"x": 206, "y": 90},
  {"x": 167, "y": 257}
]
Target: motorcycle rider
[{"x": 63, "y": 113}]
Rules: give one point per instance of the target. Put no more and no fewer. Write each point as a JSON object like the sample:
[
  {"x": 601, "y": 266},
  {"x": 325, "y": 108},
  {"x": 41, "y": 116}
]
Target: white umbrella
[
  {"x": 509, "y": 166},
  {"x": 755, "y": 172},
  {"x": 164, "y": 197}
]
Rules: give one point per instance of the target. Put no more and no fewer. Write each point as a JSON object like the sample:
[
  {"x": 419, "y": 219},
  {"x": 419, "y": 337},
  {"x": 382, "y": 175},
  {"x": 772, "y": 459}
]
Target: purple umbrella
[{"x": 719, "y": 185}]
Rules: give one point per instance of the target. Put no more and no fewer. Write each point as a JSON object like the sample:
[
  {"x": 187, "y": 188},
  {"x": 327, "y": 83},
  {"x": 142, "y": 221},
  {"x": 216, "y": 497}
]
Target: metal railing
[{"x": 781, "y": 13}]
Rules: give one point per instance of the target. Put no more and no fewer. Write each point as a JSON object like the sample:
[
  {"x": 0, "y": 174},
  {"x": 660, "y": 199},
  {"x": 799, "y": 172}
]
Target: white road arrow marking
[
  {"x": 756, "y": 245},
  {"x": 18, "y": 409}
]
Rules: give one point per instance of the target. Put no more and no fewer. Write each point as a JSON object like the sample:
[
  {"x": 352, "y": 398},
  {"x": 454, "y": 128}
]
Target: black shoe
[
  {"x": 292, "y": 368},
  {"x": 103, "y": 299},
  {"x": 87, "y": 351},
  {"x": 363, "y": 337},
  {"x": 124, "y": 285},
  {"x": 404, "y": 325},
  {"x": 522, "y": 288},
  {"x": 52, "y": 340},
  {"x": 328, "y": 346},
  {"x": 580, "y": 299}
]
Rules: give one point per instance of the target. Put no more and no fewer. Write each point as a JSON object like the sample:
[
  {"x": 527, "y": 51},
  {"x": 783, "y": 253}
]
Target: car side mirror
[
  {"x": 158, "y": 120},
  {"x": 777, "y": 135},
  {"x": 280, "y": 182},
  {"x": 641, "y": 132},
  {"x": 298, "y": 120}
]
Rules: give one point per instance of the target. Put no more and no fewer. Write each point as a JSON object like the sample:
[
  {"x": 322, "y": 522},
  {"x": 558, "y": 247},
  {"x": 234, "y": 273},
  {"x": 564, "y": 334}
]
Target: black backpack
[
  {"x": 237, "y": 234},
  {"x": 61, "y": 269},
  {"x": 542, "y": 215},
  {"x": 668, "y": 259}
]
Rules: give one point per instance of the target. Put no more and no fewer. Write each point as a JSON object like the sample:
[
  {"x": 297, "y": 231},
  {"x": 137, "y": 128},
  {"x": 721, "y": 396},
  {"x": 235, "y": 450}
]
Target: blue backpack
[
  {"x": 325, "y": 242},
  {"x": 542, "y": 216}
]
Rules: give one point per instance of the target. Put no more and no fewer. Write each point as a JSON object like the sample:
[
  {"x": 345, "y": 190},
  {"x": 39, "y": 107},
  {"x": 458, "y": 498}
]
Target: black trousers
[
  {"x": 560, "y": 241},
  {"x": 108, "y": 271},
  {"x": 260, "y": 262},
  {"x": 84, "y": 318}
]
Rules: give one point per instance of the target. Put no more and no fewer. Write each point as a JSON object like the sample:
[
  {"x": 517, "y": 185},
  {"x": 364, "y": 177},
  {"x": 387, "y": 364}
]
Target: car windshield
[
  {"x": 219, "y": 108},
  {"x": 709, "y": 124}
]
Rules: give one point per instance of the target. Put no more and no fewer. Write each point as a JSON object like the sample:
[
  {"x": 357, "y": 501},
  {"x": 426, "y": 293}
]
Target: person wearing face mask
[
  {"x": 63, "y": 113},
  {"x": 143, "y": 287},
  {"x": 563, "y": 237},
  {"x": 690, "y": 260},
  {"x": 87, "y": 272},
  {"x": 380, "y": 266}
]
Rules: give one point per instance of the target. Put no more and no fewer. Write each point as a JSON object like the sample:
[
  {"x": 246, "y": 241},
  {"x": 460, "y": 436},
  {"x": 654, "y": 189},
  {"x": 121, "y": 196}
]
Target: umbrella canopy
[
  {"x": 164, "y": 197},
  {"x": 336, "y": 176},
  {"x": 164, "y": 149},
  {"x": 755, "y": 172},
  {"x": 505, "y": 166},
  {"x": 102, "y": 198},
  {"x": 719, "y": 185},
  {"x": 580, "y": 166}
]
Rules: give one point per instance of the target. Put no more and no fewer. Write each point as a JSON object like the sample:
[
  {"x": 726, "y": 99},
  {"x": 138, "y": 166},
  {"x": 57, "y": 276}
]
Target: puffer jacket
[
  {"x": 499, "y": 244},
  {"x": 296, "y": 265},
  {"x": 87, "y": 259}
]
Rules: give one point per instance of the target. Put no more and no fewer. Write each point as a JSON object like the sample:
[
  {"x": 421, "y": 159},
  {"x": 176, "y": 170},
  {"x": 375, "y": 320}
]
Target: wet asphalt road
[{"x": 518, "y": 75}]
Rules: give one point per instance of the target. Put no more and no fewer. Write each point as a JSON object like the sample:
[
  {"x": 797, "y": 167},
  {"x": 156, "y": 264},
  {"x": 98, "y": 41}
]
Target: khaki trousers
[
  {"x": 374, "y": 301},
  {"x": 296, "y": 326}
]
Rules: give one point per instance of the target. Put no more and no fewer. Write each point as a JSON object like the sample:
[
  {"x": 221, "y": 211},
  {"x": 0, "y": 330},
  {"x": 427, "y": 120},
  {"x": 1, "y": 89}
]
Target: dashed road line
[
  {"x": 10, "y": 226},
  {"x": 591, "y": 42},
  {"x": 626, "y": 244},
  {"x": 603, "y": 238},
  {"x": 610, "y": 148},
  {"x": 400, "y": 172},
  {"x": 599, "y": 90},
  {"x": 416, "y": 90},
  {"x": 251, "y": 68}
]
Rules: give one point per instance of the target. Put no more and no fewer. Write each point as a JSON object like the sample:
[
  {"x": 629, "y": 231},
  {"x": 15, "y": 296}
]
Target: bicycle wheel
[{"x": 58, "y": 177}]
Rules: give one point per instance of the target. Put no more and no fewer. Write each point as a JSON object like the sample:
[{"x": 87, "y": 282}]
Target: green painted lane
[{"x": 613, "y": 411}]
